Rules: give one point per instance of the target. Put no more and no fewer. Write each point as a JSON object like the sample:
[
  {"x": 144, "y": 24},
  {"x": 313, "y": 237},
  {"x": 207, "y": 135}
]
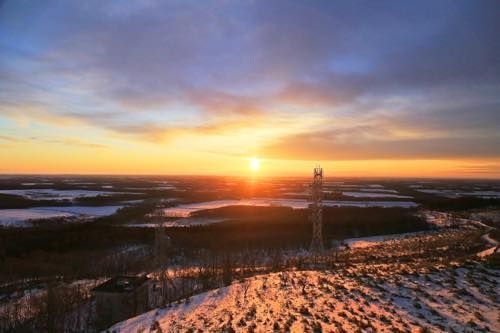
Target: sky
[{"x": 364, "y": 88}]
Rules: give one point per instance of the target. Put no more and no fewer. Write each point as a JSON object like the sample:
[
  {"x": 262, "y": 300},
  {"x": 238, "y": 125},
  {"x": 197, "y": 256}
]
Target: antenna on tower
[
  {"x": 162, "y": 240},
  {"x": 316, "y": 216}
]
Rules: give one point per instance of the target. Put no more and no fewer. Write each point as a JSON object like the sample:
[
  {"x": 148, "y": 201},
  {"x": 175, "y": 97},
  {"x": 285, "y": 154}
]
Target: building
[{"x": 120, "y": 298}]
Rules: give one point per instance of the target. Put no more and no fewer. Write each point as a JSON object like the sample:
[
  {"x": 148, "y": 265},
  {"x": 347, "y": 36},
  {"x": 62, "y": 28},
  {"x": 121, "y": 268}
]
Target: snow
[
  {"x": 439, "y": 219},
  {"x": 444, "y": 219},
  {"x": 458, "y": 193},
  {"x": 21, "y": 217},
  {"x": 378, "y": 297},
  {"x": 377, "y": 190},
  {"x": 487, "y": 252},
  {"x": 383, "y": 204},
  {"x": 167, "y": 187},
  {"x": 374, "y": 195},
  {"x": 491, "y": 215},
  {"x": 187, "y": 209},
  {"x": 488, "y": 239},
  {"x": 183, "y": 222},
  {"x": 304, "y": 193},
  {"x": 327, "y": 183},
  {"x": 52, "y": 194},
  {"x": 362, "y": 242},
  {"x": 155, "y": 187}
]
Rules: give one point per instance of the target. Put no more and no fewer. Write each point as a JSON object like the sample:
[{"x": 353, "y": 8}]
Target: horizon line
[{"x": 253, "y": 176}]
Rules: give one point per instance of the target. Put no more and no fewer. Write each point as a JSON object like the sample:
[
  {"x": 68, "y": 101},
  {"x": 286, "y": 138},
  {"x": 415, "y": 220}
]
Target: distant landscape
[
  {"x": 281, "y": 166},
  {"x": 63, "y": 231}
]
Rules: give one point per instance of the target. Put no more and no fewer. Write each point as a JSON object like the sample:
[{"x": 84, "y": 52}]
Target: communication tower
[
  {"x": 162, "y": 240},
  {"x": 316, "y": 216}
]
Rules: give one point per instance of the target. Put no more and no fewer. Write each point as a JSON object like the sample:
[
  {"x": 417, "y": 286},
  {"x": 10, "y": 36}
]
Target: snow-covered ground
[
  {"x": 458, "y": 193},
  {"x": 298, "y": 194},
  {"x": 365, "y": 298},
  {"x": 22, "y": 217},
  {"x": 492, "y": 215},
  {"x": 366, "y": 194},
  {"x": 38, "y": 184},
  {"x": 444, "y": 219},
  {"x": 155, "y": 187},
  {"x": 187, "y": 209},
  {"x": 362, "y": 242},
  {"x": 361, "y": 204},
  {"x": 182, "y": 222},
  {"x": 52, "y": 194},
  {"x": 376, "y": 190},
  {"x": 438, "y": 219}
]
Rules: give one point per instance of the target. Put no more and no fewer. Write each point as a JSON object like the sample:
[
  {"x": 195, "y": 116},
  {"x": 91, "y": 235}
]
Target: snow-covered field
[
  {"x": 142, "y": 188},
  {"x": 377, "y": 190},
  {"x": 383, "y": 204},
  {"x": 362, "y": 242},
  {"x": 52, "y": 194},
  {"x": 22, "y": 217},
  {"x": 362, "y": 298},
  {"x": 365, "y": 194},
  {"x": 187, "y": 209},
  {"x": 37, "y": 184},
  {"x": 182, "y": 222},
  {"x": 457, "y": 193}
]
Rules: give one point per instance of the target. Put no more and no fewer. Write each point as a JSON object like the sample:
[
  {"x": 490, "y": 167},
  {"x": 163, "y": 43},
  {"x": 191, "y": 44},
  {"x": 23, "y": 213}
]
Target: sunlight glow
[{"x": 254, "y": 164}]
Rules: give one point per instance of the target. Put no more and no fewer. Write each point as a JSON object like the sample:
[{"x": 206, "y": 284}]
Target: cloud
[
  {"x": 69, "y": 142},
  {"x": 8, "y": 138},
  {"x": 365, "y": 143},
  {"x": 486, "y": 169},
  {"x": 408, "y": 79}
]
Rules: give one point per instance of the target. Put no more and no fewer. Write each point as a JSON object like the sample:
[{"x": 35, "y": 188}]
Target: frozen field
[
  {"x": 182, "y": 222},
  {"x": 21, "y": 217},
  {"x": 187, "y": 209},
  {"x": 366, "y": 194},
  {"x": 457, "y": 193},
  {"x": 364, "y": 204},
  {"x": 377, "y": 190},
  {"x": 362, "y": 193},
  {"x": 52, "y": 194}
]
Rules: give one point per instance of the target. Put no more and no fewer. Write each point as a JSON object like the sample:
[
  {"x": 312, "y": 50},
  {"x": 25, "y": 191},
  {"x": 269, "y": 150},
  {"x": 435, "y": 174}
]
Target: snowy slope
[{"x": 374, "y": 298}]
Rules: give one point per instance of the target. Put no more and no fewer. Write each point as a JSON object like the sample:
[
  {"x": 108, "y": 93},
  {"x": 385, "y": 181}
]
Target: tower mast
[{"x": 316, "y": 216}]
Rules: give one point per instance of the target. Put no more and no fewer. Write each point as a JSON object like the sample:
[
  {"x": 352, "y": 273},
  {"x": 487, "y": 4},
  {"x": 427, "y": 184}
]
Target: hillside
[{"x": 365, "y": 298}]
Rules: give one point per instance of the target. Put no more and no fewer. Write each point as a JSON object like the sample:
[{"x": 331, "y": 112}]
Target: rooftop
[{"x": 121, "y": 284}]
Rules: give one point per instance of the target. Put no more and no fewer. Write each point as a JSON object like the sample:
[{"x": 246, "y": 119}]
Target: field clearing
[
  {"x": 366, "y": 194},
  {"x": 53, "y": 194},
  {"x": 187, "y": 209},
  {"x": 23, "y": 217}
]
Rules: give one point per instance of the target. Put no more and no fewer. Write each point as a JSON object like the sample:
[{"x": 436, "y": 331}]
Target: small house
[{"x": 120, "y": 298}]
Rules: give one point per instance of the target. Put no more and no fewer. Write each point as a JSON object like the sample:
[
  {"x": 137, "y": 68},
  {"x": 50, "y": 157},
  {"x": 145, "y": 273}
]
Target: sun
[{"x": 254, "y": 164}]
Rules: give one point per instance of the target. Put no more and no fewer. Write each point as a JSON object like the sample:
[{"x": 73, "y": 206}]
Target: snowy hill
[{"x": 363, "y": 298}]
